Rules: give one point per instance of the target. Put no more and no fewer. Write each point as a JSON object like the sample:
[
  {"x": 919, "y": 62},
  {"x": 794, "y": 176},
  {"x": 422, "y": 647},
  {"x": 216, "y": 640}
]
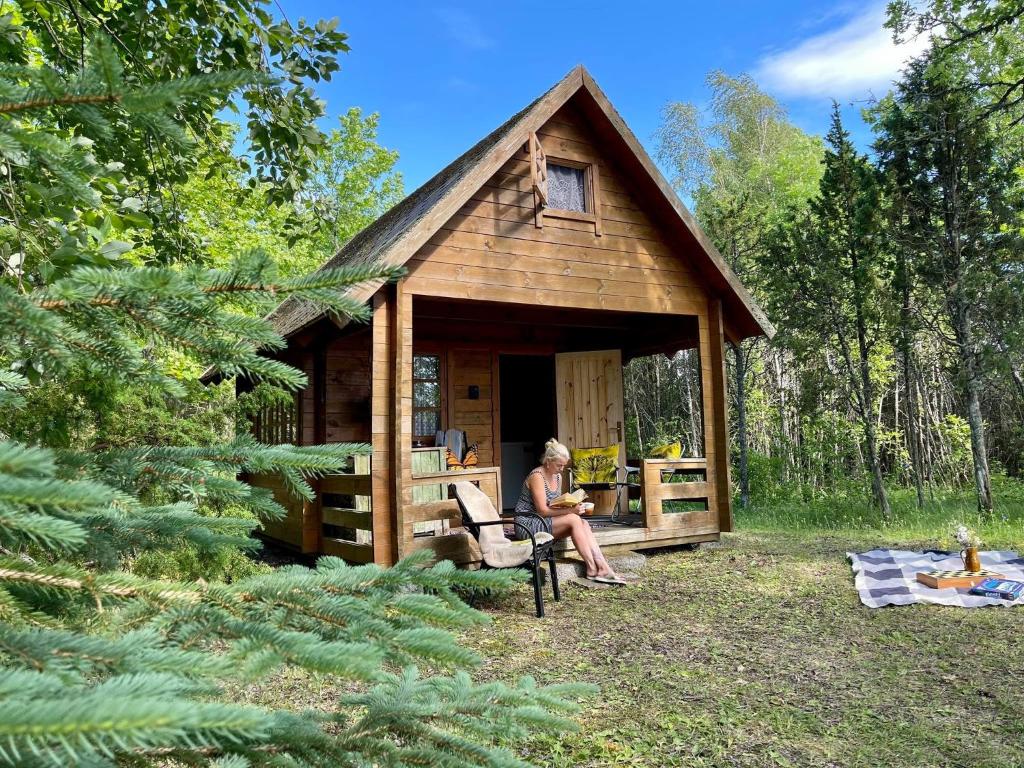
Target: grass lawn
[{"x": 758, "y": 653}]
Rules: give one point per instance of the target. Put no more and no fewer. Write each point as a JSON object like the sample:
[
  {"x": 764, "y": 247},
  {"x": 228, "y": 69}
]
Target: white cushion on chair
[
  {"x": 515, "y": 552},
  {"x": 479, "y": 509},
  {"x": 509, "y": 555},
  {"x": 498, "y": 551}
]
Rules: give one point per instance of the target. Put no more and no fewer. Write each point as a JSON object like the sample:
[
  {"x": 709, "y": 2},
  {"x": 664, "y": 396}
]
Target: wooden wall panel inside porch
[
  {"x": 347, "y": 394},
  {"x": 476, "y": 418}
]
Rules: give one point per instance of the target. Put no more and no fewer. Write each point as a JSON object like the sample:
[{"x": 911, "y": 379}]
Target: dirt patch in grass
[{"x": 758, "y": 653}]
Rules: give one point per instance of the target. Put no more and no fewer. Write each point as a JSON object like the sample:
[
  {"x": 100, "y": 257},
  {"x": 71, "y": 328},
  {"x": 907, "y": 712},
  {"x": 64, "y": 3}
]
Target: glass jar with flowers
[{"x": 969, "y": 542}]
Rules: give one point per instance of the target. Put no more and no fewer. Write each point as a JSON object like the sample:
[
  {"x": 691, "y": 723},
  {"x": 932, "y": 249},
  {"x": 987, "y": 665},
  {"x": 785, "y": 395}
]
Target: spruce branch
[
  {"x": 11, "y": 107},
  {"x": 102, "y": 666}
]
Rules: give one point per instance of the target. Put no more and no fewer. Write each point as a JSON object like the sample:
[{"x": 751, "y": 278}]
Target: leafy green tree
[
  {"x": 932, "y": 134},
  {"x": 745, "y": 166},
  {"x": 831, "y": 279},
  {"x": 353, "y": 182},
  {"x": 987, "y": 31},
  {"x": 176, "y": 39},
  {"x": 224, "y": 213},
  {"x": 101, "y": 667}
]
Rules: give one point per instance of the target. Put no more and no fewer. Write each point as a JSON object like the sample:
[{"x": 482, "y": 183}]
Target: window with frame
[
  {"x": 567, "y": 187},
  {"x": 426, "y": 397}
]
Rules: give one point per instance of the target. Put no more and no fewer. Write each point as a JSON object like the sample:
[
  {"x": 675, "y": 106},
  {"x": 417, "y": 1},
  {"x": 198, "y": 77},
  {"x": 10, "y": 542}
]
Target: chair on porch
[
  {"x": 597, "y": 469},
  {"x": 486, "y": 526}
]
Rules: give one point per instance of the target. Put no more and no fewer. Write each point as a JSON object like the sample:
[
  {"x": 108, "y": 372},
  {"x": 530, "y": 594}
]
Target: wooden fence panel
[{"x": 657, "y": 487}]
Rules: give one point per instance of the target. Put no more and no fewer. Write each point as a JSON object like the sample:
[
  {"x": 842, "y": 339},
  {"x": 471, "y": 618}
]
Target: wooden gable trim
[
  {"x": 539, "y": 177},
  {"x": 417, "y": 235}
]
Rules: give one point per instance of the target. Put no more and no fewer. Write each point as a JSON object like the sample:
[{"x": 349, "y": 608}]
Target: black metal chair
[
  {"x": 487, "y": 527},
  {"x": 620, "y": 483}
]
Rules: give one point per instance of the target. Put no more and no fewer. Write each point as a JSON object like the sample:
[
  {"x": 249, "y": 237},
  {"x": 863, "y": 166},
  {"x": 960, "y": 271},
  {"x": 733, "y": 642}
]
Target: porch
[
  {"x": 509, "y": 376},
  {"x": 671, "y": 507}
]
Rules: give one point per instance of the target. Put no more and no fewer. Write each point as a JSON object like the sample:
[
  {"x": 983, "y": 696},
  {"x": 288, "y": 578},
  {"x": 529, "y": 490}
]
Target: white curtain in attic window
[{"x": 566, "y": 188}]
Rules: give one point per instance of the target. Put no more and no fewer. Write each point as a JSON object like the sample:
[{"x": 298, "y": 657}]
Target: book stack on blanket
[
  {"x": 1001, "y": 588},
  {"x": 946, "y": 579}
]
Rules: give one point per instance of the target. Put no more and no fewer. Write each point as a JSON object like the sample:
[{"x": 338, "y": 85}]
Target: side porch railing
[
  {"x": 346, "y": 514},
  {"x": 337, "y": 521},
  {"x": 677, "y": 494},
  {"x": 428, "y": 522}
]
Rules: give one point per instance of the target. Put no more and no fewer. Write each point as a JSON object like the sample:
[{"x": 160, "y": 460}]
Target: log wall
[
  {"x": 493, "y": 248},
  {"x": 347, "y": 388}
]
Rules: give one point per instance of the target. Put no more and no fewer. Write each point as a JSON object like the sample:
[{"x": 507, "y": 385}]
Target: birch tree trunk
[
  {"x": 960, "y": 309},
  {"x": 906, "y": 352}
]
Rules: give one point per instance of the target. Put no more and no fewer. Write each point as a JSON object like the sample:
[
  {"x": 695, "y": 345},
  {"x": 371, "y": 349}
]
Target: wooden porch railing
[
  {"x": 339, "y": 521},
  {"x": 356, "y": 516},
  {"x": 298, "y": 529},
  {"x": 657, "y": 488}
]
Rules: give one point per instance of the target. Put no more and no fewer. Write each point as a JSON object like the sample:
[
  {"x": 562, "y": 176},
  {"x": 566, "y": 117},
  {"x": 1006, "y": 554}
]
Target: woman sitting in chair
[{"x": 541, "y": 486}]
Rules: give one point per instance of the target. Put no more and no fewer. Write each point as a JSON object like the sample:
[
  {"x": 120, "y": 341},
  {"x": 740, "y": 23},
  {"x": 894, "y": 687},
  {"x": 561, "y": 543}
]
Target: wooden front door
[{"x": 590, "y": 406}]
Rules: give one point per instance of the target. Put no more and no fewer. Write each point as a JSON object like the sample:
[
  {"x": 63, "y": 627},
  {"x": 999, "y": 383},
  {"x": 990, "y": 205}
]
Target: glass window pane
[
  {"x": 426, "y": 423},
  {"x": 567, "y": 188},
  {"x": 426, "y": 394},
  {"x": 426, "y": 367}
]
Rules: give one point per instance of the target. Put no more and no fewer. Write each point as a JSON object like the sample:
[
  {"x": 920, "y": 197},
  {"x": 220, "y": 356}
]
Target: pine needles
[{"x": 101, "y": 667}]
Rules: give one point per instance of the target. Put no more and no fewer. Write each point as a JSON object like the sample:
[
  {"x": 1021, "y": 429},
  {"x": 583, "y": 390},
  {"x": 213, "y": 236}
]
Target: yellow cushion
[
  {"x": 595, "y": 465},
  {"x": 667, "y": 451}
]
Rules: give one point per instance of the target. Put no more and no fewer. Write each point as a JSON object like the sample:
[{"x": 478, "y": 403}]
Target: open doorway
[{"x": 527, "y": 394}]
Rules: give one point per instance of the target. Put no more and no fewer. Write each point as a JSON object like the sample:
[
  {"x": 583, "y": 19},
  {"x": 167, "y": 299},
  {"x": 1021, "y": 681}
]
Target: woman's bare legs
[
  {"x": 578, "y": 529},
  {"x": 572, "y": 526}
]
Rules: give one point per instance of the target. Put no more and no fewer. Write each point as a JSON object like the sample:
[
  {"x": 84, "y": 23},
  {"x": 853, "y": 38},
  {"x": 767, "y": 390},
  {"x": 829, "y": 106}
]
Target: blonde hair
[{"x": 554, "y": 450}]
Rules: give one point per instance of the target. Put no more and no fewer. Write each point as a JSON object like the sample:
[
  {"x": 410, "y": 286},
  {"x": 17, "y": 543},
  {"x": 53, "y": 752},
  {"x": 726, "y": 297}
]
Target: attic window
[{"x": 567, "y": 188}]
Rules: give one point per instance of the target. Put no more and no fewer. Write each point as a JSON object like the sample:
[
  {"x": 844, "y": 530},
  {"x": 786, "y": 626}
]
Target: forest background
[{"x": 894, "y": 278}]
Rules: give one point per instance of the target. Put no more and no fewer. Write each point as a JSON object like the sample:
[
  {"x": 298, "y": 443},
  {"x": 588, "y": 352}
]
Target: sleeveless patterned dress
[{"x": 525, "y": 508}]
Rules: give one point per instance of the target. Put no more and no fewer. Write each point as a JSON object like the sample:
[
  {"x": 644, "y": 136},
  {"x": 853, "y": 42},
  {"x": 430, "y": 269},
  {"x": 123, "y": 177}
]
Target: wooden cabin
[{"x": 538, "y": 263}]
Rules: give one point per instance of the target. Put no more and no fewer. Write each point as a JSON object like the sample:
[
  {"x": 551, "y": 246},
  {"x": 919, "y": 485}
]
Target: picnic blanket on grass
[{"x": 889, "y": 577}]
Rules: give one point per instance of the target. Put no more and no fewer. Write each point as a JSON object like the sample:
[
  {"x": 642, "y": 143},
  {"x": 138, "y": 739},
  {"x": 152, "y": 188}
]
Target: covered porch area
[{"x": 509, "y": 376}]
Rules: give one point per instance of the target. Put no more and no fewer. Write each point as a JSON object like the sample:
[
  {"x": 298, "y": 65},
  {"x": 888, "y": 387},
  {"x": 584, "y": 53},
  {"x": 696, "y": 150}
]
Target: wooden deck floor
[{"x": 614, "y": 537}]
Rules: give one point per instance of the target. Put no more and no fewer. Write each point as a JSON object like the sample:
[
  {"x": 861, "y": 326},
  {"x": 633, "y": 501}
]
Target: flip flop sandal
[{"x": 607, "y": 579}]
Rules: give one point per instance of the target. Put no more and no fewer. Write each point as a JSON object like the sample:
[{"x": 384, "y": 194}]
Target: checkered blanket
[{"x": 889, "y": 577}]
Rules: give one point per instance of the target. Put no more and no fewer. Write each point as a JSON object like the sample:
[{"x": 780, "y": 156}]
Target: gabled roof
[{"x": 395, "y": 236}]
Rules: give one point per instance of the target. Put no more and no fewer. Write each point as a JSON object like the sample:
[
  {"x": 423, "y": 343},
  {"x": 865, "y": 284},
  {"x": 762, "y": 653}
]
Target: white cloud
[
  {"x": 464, "y": 28},
  {"x": 851, "y": 61}
]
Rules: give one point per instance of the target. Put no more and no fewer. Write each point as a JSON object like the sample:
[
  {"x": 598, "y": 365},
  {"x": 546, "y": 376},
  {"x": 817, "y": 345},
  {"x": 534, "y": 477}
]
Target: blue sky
[{"x": 444, "y": 74}]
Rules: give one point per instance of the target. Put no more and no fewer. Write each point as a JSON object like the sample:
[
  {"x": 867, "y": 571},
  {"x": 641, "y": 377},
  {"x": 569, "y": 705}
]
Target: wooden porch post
[
  {"x": 385, "y": 546},
  {"x": 401, "y": 326},
  {"x": 709, "y": 396},
  {"x": 312, "y": 535},
  {"x": 719, "y": 415}
]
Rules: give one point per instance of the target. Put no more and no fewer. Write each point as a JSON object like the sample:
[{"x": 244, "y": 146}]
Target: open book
[{"x": 568, "y": 499}]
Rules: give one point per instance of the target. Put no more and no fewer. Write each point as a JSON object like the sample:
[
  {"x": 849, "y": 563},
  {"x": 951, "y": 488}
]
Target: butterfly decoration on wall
[{"x": 470, "y": 460}]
